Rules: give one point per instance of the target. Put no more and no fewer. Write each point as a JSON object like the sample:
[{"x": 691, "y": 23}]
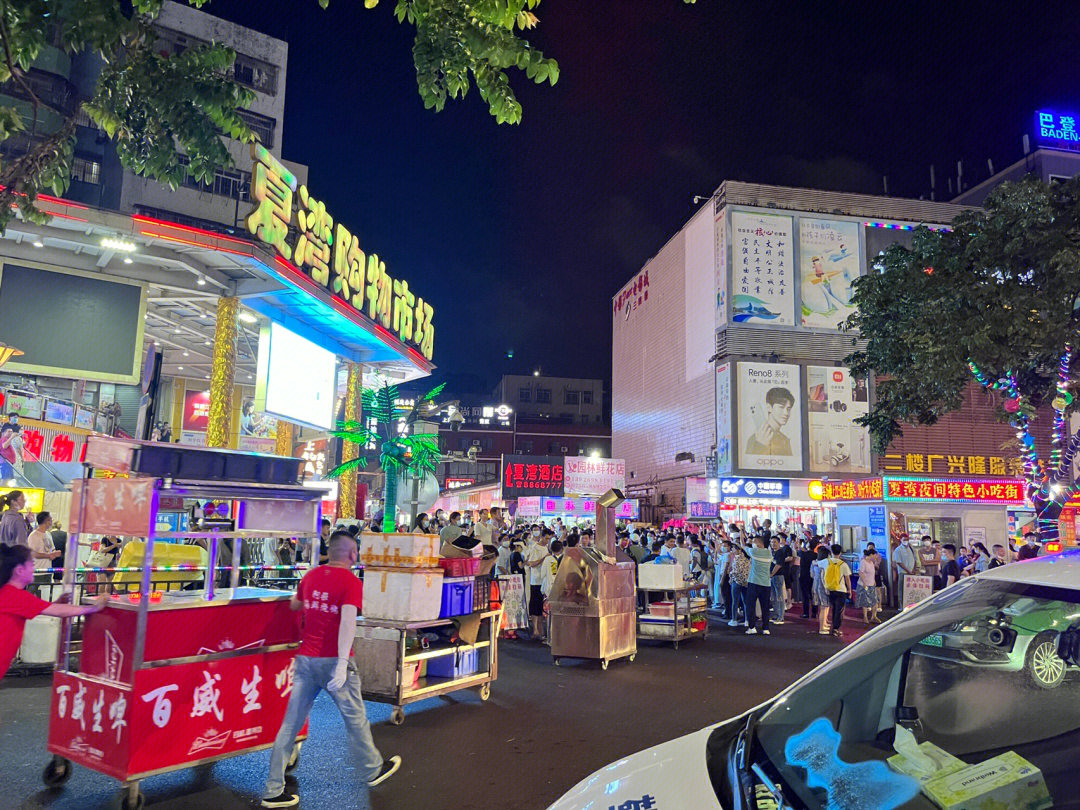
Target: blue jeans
[
  {"x": 717, "y": 589},
  {"x": 777, "y": 583},
  {"x": 311, "y": 677},
  {"x": 757, "y": 600},
  {"x": 737, "y": 598}
]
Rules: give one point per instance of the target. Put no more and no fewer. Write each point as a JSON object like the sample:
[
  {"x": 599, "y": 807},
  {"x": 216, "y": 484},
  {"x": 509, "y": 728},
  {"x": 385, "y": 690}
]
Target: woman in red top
[{"x": 16, "y": 605}]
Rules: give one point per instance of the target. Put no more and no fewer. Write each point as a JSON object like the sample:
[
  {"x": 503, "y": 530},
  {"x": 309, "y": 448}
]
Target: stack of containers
[{"x": 402, "y": 578}]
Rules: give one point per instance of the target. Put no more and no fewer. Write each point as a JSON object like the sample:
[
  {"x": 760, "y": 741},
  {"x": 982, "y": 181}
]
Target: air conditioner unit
[{"x": 563, "y": 449}]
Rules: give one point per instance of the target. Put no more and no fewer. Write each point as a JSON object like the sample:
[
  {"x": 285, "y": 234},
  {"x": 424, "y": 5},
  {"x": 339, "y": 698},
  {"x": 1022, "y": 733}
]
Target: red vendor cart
[{"x": 173, "y": 679}]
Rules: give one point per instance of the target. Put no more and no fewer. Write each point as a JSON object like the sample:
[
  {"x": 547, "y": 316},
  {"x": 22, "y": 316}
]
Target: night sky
[{"x": 521, "y": 235}]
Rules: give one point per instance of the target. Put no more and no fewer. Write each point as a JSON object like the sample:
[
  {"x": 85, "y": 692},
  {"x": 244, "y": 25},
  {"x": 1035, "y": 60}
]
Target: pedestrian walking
[
  {"x": 330, "y": 597},
  {"x": 807, "y": 556},
  {"x": 818, "y": 591},
  {"x": 759, "y": 589},
  {"x": 838, "y": 584},
  {"x": 866, "y": 597}
]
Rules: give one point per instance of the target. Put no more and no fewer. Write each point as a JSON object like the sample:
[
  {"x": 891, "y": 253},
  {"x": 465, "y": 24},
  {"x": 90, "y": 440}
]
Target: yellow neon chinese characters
[
  {"x": 272, "y": 187},
  {"x": 316, "y": 234}
]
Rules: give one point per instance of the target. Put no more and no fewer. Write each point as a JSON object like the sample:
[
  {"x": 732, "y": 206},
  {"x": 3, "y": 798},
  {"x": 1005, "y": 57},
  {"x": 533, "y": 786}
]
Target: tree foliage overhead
[
  {"x": 167, "y": 114},
  {"x": 1000, "y": 290}
]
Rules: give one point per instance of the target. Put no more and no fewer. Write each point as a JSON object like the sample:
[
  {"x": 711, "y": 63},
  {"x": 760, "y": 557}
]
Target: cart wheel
[
  {"x": 555, "y": 661},
  {"x": 56, "y": 772},
  {"x": 130, "y": 800},
  {"x": 294, "y": 760},
  {"x": 603, "y": 665},
  {"x": 397, "y": 716},
  {"x": 485, "y": 691}
]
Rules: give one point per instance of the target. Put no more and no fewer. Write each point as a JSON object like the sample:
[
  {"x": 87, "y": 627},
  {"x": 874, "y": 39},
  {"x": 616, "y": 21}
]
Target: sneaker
[
  {"x": 752, "y": 631},
  {"x": 389, "y": 768},
  {"x": 283, "y": 799},
  {"x": 777, "y": 621},
  {"x": 824, "y": 633},
  {"x": 733, "y": 623},
  {"x": 765, "y": 632},
  {"x": 837, "y": 633}
]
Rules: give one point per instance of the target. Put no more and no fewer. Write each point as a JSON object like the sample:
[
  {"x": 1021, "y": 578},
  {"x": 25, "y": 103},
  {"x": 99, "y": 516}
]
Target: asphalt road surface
[{"x": 543, "y": 730}]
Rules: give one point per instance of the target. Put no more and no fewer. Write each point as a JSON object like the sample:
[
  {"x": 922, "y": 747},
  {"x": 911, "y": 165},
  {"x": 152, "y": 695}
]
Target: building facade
[{"x": 566, "y": 400}]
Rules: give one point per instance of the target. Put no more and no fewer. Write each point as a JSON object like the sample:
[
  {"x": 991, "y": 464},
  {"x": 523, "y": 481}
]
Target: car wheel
[{"x": 1042, "y": 662}]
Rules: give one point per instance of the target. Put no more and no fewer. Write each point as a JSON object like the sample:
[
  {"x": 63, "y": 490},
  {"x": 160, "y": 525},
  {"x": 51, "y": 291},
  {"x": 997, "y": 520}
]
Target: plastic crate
[
  {"x": 458, "y": 665},
  {"x": 459, "y": 566},
  {"x": 457, "y": 597}
]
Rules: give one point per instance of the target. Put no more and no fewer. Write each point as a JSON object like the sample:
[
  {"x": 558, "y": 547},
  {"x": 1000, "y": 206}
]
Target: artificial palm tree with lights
[{"x": 401, "y": 453}]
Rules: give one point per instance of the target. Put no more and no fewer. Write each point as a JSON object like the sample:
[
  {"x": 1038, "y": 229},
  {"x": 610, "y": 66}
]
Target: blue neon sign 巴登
[{"x": 1057, "y": 130}]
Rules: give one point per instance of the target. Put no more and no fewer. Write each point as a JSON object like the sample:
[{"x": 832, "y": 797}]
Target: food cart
[
  {"x": 389, "y": 669},
  {"x": 593, "y": 605},
  {"x": 170, "y": 680},
  {"x": 673, "y": 621}
]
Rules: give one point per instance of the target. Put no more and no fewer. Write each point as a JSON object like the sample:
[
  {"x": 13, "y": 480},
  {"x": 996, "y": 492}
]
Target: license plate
[{"x": 934, "y": 640}]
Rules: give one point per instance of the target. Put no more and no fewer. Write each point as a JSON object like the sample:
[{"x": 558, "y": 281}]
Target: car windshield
[{"x": 971, "y": 699}]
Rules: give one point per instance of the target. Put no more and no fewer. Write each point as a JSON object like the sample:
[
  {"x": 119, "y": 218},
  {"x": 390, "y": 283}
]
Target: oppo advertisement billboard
[{"x": 296, "y": 378}]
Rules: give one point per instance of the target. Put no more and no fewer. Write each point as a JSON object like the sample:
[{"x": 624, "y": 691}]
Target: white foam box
[
  {"x": 41, "y": 638},
  {"x": 402, "y": 594},
  {"x": 660, "y": 575},
  {"x": 398, "y": 550}
]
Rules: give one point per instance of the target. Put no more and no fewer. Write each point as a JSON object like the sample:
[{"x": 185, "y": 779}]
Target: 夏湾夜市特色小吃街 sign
[{"x": 332, "y": 256}]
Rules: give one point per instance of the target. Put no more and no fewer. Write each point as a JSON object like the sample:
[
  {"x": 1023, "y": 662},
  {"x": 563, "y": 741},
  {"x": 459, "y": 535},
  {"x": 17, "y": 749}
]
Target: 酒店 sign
[
  {"x": 531, "y": 475},
  {"x": 594, "y": 476},
  {"x": 332, "y": 256}
]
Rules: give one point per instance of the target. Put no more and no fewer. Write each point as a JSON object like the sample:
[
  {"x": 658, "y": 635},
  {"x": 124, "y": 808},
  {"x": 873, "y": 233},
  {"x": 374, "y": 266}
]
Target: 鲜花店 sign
[
  {"x": 332, "y": 256},
  {"x": 594, "y": 476},
  {"x": 1005, "y": 491}
]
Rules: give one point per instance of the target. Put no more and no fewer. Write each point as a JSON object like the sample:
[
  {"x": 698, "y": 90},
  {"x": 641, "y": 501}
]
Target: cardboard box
[
  {"x": 398, "y": 550},
  {"x": 402, "y": 594},
  {"x": 944, "y": 763},
  {"x": 1007, "y": 780}
]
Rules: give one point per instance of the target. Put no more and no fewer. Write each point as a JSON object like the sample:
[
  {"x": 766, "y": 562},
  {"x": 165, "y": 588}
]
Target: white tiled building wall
[{"x": 662, "y": 394}]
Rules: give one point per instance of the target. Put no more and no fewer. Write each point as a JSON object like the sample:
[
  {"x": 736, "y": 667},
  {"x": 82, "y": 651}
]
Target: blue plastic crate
[
  {"x": 458, "y": 665},
  {"x": 457, "y": 597}
]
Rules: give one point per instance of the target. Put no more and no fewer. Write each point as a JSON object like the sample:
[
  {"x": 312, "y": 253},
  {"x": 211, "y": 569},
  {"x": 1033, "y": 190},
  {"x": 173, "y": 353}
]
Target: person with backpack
[{"x": 838, "y": 584}]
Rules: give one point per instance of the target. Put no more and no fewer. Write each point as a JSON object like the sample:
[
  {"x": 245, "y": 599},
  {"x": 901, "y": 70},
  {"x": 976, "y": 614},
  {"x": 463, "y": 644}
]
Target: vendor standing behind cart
[
  {"x": 16, "y": 605},
  {"x": 330, "y": 596}
]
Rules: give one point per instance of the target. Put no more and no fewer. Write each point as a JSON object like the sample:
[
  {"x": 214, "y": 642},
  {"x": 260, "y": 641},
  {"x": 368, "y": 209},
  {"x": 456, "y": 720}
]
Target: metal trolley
[
  {"x": 387, "y": 666},
  {"x": 175, "y": 679}
]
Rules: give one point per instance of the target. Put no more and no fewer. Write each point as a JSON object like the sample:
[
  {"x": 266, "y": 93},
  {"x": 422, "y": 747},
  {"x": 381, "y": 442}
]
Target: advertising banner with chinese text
[
  {"x": 117, "y": 506},
  {"x": 834, "y": 399},
  {"x": 258, "y": 431},
  {"x": 828, "y": 264},
  {"x": 762, "y": 281},
  {"x": 723, "y": 418},
  {"x": 721, "y": 269},
  {"x": 593, "y": 476},
  {"x": 531, "y": 475},
  {"x": 770, "y": 417}
]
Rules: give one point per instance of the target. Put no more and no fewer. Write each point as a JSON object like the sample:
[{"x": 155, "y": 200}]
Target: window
[
  {"x": 86, "y": 171},
  {"x": 554, "y": 448},
  {"x": 571, "y": 397},
  {"x": 255, "y": 74},
  {"x": 523, "y": 394},
  {"x": 229, "y": 183},
  {"x": 586, "y": 397},
  {"x": 584, "y": 419},
  {"x": 261, "y": 125},
  {"x": 526, "y": 446},
  {"x": 543, "y": 395}
]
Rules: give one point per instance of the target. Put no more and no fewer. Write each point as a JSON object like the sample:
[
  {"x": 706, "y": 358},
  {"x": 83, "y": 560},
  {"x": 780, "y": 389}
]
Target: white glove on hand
[{"x": 337, "y": 680}]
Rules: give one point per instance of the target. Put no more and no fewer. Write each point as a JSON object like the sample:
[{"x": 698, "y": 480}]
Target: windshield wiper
[{"x": 771, "y": 786}]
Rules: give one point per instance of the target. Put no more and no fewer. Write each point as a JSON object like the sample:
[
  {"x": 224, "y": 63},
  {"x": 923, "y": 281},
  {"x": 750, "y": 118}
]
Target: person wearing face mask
[
  {"x": 452, "y": 530},
  {"x": 535, "y": 553},
  {"x": 423, "y": 524}
]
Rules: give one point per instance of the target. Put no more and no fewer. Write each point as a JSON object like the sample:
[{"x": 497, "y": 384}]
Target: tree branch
[{"x": 17, "y": 176}]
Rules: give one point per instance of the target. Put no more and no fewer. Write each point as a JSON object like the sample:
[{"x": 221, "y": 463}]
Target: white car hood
[{"x": 672, "y": 775}]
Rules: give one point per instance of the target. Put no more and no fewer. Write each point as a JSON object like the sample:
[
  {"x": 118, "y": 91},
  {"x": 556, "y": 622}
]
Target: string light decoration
[
  {"x": 350, "y": 450},
  {"x": 222, "y": 373}
]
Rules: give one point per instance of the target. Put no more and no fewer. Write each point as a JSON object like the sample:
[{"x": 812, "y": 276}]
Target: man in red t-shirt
[{"x": 330, "y": 597}]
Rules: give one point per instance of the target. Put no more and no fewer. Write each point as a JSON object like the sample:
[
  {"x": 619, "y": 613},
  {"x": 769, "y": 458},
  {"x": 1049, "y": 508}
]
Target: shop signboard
[
  {"x": 755, "y": 488},
  {"x": 331, "y": 255},
  {"x": 828, "y": 264},
  {"x": 196, "y": 410},
  {"x": 458, "y": 483},
  {"x": 770, "y": 417},
  {"x": 582, "y": 507},
  {"x": 762, "y": 279},
  {"x": 858, "y": 489},
  {"x": 28, "y": 406},
  {"x": 878, "y": 523},
  {"x": 632, "y": 297},
  {"x": 1057, "y": 130},
  {"x": 720, "y": 217},
  {"x": 987, "y": 491},
  {"x": 531, "y": 475},
  {"x": 515, "y": 608},
  {"x": 917, "y": 588},
  {"x": 834, "y": 400},
  {"x": 700, "y": 509},
  {"x": 585, "y": 475},
  {"x": 119, "y": 506},
  {"x": 723, "y": 418},
  {"x": 952, "y": 462},
  {"x": 529, "y": 506}
]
